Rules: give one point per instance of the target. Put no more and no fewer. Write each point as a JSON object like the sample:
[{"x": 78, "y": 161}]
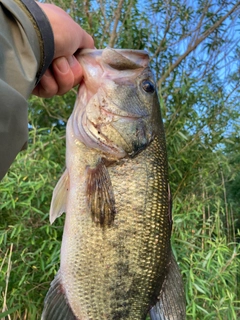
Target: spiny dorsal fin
[
  {"x": 56, "y": 306},
  {"x": 171, "y": 304},
  {"x": 100, "y": 195},
  {"x": 59, "y": 198}
]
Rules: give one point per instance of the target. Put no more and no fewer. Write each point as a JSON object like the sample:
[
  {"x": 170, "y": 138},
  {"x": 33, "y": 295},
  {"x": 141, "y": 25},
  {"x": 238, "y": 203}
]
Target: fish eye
[{"x": 148, "y": 86}]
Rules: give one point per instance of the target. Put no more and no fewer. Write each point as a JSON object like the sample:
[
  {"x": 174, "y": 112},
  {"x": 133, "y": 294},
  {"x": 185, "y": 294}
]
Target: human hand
[{"x": 65, "y": 71}]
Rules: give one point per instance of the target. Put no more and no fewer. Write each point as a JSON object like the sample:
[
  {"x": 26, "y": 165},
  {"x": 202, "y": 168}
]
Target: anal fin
[
  {"x": 171, "y": 304},
  {"x": 56, "y": 306}
]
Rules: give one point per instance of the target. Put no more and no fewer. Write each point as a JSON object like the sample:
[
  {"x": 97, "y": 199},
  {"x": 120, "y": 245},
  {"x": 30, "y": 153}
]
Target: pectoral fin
[
  {"x": 56, "y": 306},
  {"x": 59, "y": 198},
  {"x": 171, "y": 304},
  {"x": 100, "y": 195}
]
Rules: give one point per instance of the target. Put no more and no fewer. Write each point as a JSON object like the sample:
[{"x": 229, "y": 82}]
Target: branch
[
  {"x": 117, "y": 17},
  {"x": 127, "y": 13},
  {"x": 196, "y": 43},
  {"x": 86, "y": 6},
  {"x": 232, "y": 91},
  {"x": 159, "y": 49},
  {"x": 106, "y": 23}
]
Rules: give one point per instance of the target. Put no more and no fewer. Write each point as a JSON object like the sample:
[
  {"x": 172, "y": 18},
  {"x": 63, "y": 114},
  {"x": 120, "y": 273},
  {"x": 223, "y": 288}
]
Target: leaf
[{"x": 8, "y": 312}]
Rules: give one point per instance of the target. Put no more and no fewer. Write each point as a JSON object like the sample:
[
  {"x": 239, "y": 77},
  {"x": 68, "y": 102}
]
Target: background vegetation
[{"x": 195, "y": 54}]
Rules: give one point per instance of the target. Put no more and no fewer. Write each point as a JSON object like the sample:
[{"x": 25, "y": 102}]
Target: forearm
[{"x": 25, "y": 54}]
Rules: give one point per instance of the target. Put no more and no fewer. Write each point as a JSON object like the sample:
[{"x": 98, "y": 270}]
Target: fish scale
[{"x": 116, "y": 253}]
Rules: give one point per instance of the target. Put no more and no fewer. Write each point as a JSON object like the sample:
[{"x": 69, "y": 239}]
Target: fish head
[{"x": 117, "y": 109}]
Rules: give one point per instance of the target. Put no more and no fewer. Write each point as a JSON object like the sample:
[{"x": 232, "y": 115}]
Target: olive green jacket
[{"x": 26, "y": 51}]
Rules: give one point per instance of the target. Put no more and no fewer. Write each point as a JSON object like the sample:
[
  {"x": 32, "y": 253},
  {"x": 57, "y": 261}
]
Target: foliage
[
  {"x": 194, "y": 50},
  {"x": 30, "y": 247}
]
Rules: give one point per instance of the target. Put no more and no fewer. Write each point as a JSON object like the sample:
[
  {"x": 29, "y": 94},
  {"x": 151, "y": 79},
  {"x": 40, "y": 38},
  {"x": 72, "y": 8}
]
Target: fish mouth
[
  {"x": 143, "y": 136},
  {"x": 93, "y": 135}
]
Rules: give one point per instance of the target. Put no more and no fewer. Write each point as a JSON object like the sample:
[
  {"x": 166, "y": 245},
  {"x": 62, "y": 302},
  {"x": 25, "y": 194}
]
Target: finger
[
  {"x": 67, "y": 73},
  {"x": 81, "y": 40},
  {"x": 47, "y": 87},
  {"x": 86, "y": 41},
  {"x": 76, "y": 69}
]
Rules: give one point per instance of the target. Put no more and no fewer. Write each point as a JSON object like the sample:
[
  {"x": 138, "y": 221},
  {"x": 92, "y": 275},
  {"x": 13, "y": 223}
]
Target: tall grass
[
  {"x": 208, "y": 261},
  {"x": 30, "y": 247}
]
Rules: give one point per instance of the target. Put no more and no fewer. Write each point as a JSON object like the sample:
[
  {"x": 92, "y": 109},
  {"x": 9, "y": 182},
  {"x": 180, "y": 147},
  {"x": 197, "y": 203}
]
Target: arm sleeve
[{"x": 26, "y": 51}]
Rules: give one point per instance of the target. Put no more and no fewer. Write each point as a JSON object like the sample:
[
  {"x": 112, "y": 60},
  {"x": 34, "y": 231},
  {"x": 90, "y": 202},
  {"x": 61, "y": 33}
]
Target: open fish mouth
[
  {"x": 132, "y": 148},
  {"x": 97, "y": 137},
  {"x": 105, "y": 126},
  {"x": 101, "y": 136},
  {"x": 112, "y": 122}
]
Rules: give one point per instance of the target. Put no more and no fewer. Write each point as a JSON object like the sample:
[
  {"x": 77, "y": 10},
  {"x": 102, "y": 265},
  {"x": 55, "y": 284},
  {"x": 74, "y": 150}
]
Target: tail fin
[
  {"x": 171, "y": 305},
  {"x": 56, "y": 306}
]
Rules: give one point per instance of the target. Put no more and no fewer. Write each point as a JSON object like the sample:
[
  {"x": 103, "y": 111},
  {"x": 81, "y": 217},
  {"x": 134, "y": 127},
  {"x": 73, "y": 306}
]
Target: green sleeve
[{"x": 26, "y": 51}]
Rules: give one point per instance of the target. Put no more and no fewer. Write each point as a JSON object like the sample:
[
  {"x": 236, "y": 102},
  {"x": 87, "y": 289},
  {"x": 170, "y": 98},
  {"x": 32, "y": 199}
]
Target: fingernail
[{"x": 62, "y": 64}]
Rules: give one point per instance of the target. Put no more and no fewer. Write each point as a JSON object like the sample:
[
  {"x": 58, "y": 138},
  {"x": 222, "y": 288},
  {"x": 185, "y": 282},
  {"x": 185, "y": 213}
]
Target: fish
[{"x": 116, "y": 256}]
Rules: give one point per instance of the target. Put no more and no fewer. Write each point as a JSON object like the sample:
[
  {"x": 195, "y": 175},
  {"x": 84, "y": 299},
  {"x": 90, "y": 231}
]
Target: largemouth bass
[{"x": 116, "y": 258}]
